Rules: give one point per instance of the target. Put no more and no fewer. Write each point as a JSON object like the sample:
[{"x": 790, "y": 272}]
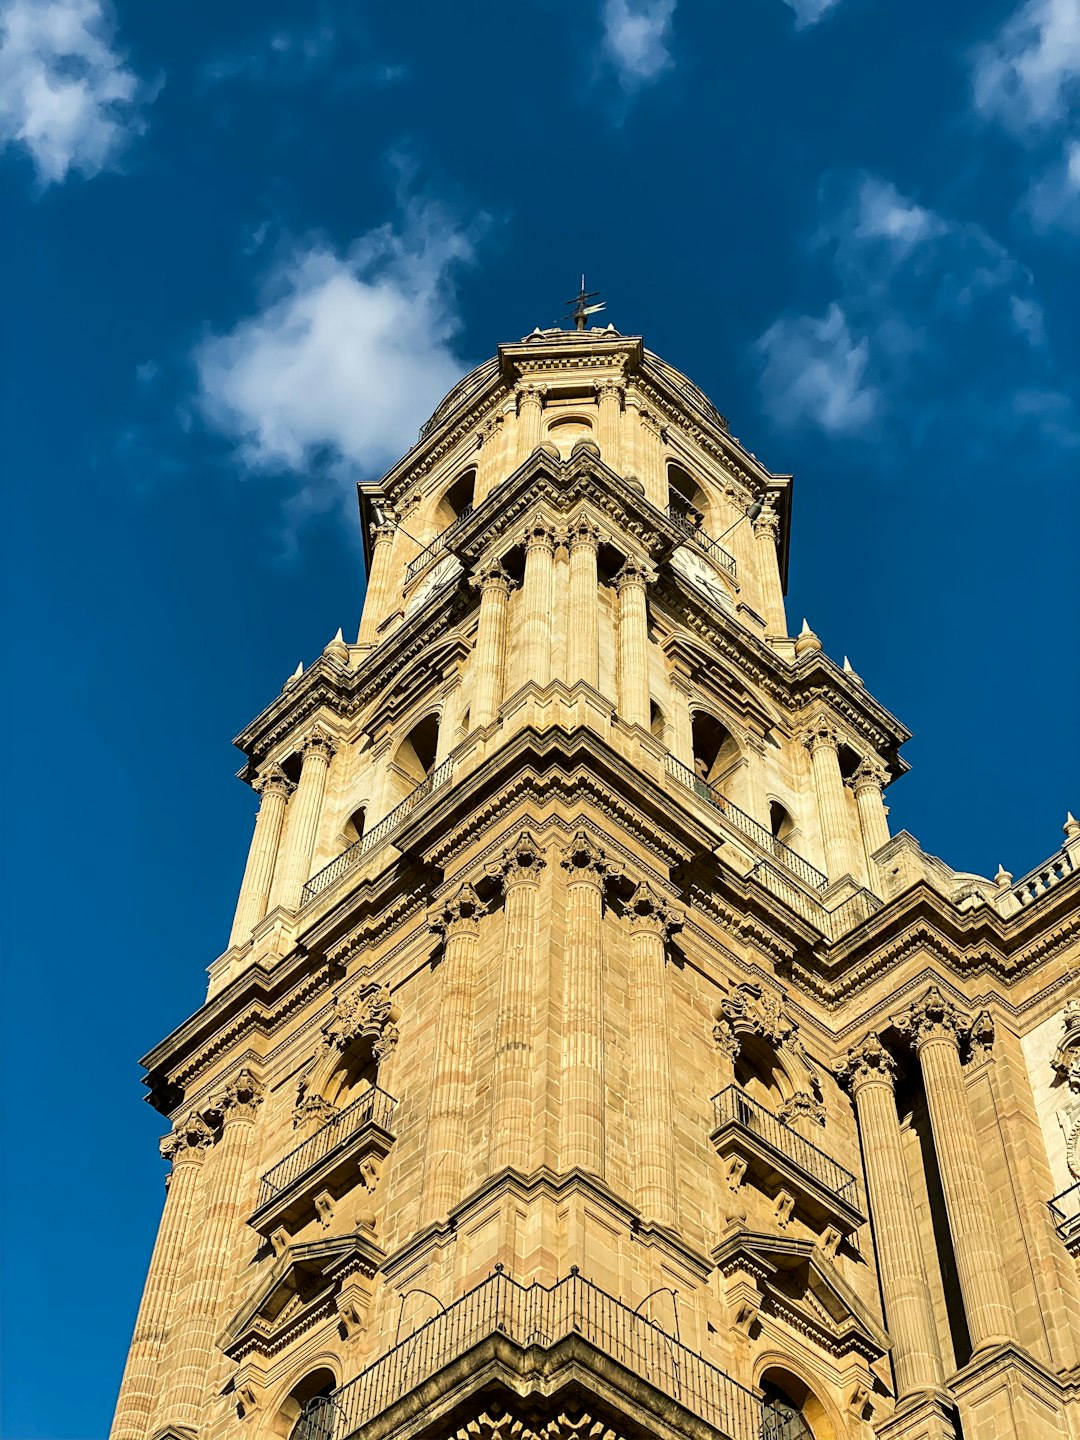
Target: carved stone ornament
[
  {"x": 318, "y": 742},
  {"x": 491, "y": 576},
  {"x": 499, "y": 1423},
  {"x": 868, "y": 775},
  {"x": 768, "y": 523},
  {"x": 240, "y": 1098},
  {"x": 363, "y": 1014},
  {"x": 312, "y": 1112},
  {"x": 539, "y": 535},
  {"x": 582, "y": 532},
  {"x": 583, "y": 859},
  {"x": 802, "y": 1106},
  {"x": 187, "y": 1138},
  {"x": 929, "y": 1019},
  {"x": 520, "y": 861},
  {"x": 273, "y": 780},
  {"x": 752, "y": 1010},
  {"x": 1066, "y": 1058},
  {"x": 634, "y": 572},
  {"x": 820, "y": 732},
  {"x": 866, "y": 1062},
  {"x": 981, "y": 1036},
  {"x": 459, "y": 915},
  {"x": 648, "y": 912}
]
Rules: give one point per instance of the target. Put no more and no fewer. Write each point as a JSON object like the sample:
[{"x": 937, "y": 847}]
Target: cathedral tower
[{"x": 588, "y": 1060}]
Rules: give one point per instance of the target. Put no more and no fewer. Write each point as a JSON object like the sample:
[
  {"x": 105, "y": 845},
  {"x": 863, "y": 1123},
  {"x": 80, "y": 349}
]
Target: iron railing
[
  {"x": 858, "y": 906},
  {"x": 1065, "y": 1208},
  {"x": 734, "y": 1106},
  {"x": 349, "y": 859},
  {"x": 437, "y": 546},
  {"x": 763, "y": 838},
  {"x": 374, "y": 1107},
  {"x": 543, "y": 1315},
  {"x": 693, "y": 531}
]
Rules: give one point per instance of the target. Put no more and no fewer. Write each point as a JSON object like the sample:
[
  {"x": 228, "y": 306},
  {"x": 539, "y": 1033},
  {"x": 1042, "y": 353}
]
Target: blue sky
[{"x": 247, "y": 247}]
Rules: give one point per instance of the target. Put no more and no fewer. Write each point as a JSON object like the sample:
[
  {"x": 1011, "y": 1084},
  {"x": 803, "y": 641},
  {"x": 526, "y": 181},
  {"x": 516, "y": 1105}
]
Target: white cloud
[
  {"x": 278, "y": 56},
  {"x": 347, "y": 355},
  {"x": 1053, "y": 202},
  {"x": 809, "y": 12},
  {"x": 1024, "y": 76},
  {"x": 636, "y": 37},
  {"x": 66, "y": 96},
  {"x": 814, "y": 370}
]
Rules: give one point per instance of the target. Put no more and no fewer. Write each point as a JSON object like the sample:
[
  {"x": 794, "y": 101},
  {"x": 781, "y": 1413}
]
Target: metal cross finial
[{"x": 580, "y": 309}]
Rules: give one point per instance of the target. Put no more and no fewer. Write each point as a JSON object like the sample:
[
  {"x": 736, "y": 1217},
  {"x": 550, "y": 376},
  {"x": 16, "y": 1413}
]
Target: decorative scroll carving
[
  {"x": 240, "y": 1098},
  {"x": 365, "y": 1014},
  {"x": 981, "y": 1036},
  {"x": 312, "y": 1113},
  {"x": 319, "y": 742},
  {"x": 820, "y": 732},
  {"x": 186, "y": 1137},
  {"x": 868, "y": 775},
  {"x": 520, "y": 861},
  {"x": 272, "y": 778},
  {"x": 458, "y": 915},
  {"x": 584, "y": 859},
  {"x": 932, "y": 1018},
  {"x": 1066, "y": 1063},
  {"x": 802, "y": 1106},
  {"x": 867, "y": 1061},
  {"x": 647, "y": 911}
]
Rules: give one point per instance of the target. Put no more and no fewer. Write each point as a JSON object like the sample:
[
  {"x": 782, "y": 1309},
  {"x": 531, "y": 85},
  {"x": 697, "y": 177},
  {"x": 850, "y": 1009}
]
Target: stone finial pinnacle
[
  {"x": 850, "y": 670},
  {"x": 1071, "y": 826},
  {"x": 337, "y": 649},
  {"x": 1003, "y": 879},
  {"x": 294, "y": 677},
  {"x": 806, "y": 642}
]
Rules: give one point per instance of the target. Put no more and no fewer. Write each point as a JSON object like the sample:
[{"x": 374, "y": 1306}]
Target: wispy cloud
[
  {"x": 346, "y": 355},
  {"x": 278, "y": 56},
  {"x": 637, "y": 34},
  {"x": 1023, "y": 77},
  {"x": 928, "y": 311},
  {"x": 67, "y": 98},
  {"x": 809, "y": 12},
  {"x": 1053, "y": 202}
]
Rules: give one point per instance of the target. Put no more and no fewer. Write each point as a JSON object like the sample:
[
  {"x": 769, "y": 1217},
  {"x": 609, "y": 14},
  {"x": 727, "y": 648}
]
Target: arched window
[
  {"x": 800, "y": 1413},
  {"x": 416, "y": 753},
  {"x": 301, "y": 1412},
  {"x": 687, "y": 501},
  {"x": 780, "y": 822},
  {"x": 657, "y": 722},
  {"x": 716, "y": 751},
  {"x": 354, "y": 826},
  {"x": 456, "y": 500}
]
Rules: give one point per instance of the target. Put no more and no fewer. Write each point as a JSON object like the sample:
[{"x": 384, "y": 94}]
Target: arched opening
[
  {"x": 803, "y": 1415},
  {"x": 687, "y": 501},
  {"x": 780, "y": 822},
  {"x": 456, "y": 501},
  {"x": 416, "y": 753},
  {"x": 567, "y": 430},
  {"x": 297, "y": 1415},
  {"x": 716, "y": 752},
  {"x": 657, "y": 722},
  {"x": 354, "y": 826},
  {"x": 758, "y": 1073}
]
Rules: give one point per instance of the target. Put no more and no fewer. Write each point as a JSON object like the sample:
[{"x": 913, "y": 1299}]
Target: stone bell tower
[{"x": 587, "y": 1059}]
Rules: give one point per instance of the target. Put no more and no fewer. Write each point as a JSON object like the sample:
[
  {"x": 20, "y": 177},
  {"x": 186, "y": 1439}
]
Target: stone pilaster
[
  {"x": 651, "y": 921},
  {"x": 869, "y": 1073},
  {"x": 458, "y": 922},
  {"x": 537, "y": 598},
  {"x": 823, "y": 743},
  {"x": 511, "y": 1106},
  {"x": 489, "y": 656},
  {"x": 273, "y": 788},
  {"x": 868, "y": 782},
  {"x": 530, "y": 419},
  {"x": 226, "y": 1179},
  {"x": 651, "y": 460},
  {"x": 305, "y": 811},
  {"x": 766, "y": 536},
  {"x": 158, "y": 1311},
  {"x": 583, "y": 1007},
  {"x": 631, "y": 583},
  {"x": 490, "y": 467},
  {"x": 582, "y": 631},
  {"x": 609, "y": 395},
  {"x": 381, "y": 580},
  {"x": 934, "y": 1026}
]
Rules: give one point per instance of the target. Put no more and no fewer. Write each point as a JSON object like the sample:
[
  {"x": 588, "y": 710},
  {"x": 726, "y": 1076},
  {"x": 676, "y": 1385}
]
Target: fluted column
[
  {"x": 185, "y": 1147},
  {"x": 305, "y": 811},
  {"x": 869, "y": 1071},
  {"x": 681, "y": 728},
  {"x": 537, "y": 597},
  {"x": 530, "y": 419},
  {"x": 868, "y": 781},
  {"x": 458, "y": 922},
  {"x": 489, "y": 469},
  {"x": 633, "y": 643},
  {"x": 651, "y": 921},
  {"x": 381, "y": 579},
  {"x": 631, "y": 437},
  {"x": 653, "y": 473},
  {"x": 511, "y": 1103},
  {"x": 489, "y": 656},
  {"x": 583, "y": 1007},
  {"x": 609, "y": 395},
  {"x": 766, "y": 535},
  {"x": 934, "y": 1026},
  {"x": 823, "y": 743},
  {"x": 273, "y": 787},
  {"x": 582, "y": 631}
]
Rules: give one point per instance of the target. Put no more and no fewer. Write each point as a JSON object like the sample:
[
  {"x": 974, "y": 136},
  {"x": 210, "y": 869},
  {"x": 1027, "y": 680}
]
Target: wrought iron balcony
[
  {"x": 538, "y": 1315},
  {"x": 326, "y": 1161},
  {"x": 1065, "y": 1208},
  {"x": 693, "y": 531},
  {"x": 437, "y": 546},
  {"x": 781, "y": 1158},
  {"x": 349, "y": 859}
]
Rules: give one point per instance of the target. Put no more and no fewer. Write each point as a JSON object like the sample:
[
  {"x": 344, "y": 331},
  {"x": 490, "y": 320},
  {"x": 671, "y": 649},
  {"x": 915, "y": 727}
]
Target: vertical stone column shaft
[
  {"x": 185, "y": 1147},
  {"x": 305, "y": 812},
  {"x": 651, "y": 460},
  {"x": 868, "y": 782},
  {"x": 489, "y": 469},
  {"x": 908, "y": 1310},
  {"x": 681, "y": 731},
  {"x": 511, "y": 1104},
  {"x": 650, "y": 922},
  {"x": 609, "y": 405},
  {"x": 822, "y": 742},
  {"x": 633, "y": 644},
  {"x": 530, "y": 420},
  {"x": 537, "y": 598},
  {"x": 380, "y": 584},
  {"x": 583, "y": 634},
  {"x": 934, "y": 1026},
  {"x": 583, "y": 1008},
  {"x": 191, "y": 1350},
  {"x": 489, "y": 657},
  {"x": 447, "y": 1133},
  {"x": 273, "y": 787},
  {"x": 766, "y": 534}
]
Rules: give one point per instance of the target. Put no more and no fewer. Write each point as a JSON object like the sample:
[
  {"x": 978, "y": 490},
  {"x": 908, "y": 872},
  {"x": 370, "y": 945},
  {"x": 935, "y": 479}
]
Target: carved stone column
[
  {"x": 908, "y": 1311},
  {"x": 537, "y": 598},
  {"x": 868, "y": 782},
  {"x": 609, "y": 404},
  {"x": 651, "y": 921},
  {"x": 490, "y": 468},
  {"x": 934, "y": 1026},
  {"x": 191, "y": 1352},
  {"x": 631, "y": 435},
  {"x": 680, "y": 722},
  {"x": 185, "y": 1147},
  {"x": 651, "y": 460},
  {"x": 381, "y": 580},
  {"x": 766, "y": 534},
  {"x": 273, "y": 787},
  {"x": 530, "y": 419},
  {"x": 305, "y": 811},
  {"x": 582, "y": 631},
  {"x": 511, "y": 1103},
  {"x": 823, "y": 743},
  {"x": 458, "y": 922},
  {"x": 633, "y": 643},
  {"x": 583, "y": 1007},
  {"x": 489, "y": 656}
]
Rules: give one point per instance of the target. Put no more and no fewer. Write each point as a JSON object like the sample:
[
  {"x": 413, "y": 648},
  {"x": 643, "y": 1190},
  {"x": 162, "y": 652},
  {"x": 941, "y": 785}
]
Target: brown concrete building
[{"x": 588, "y": 1060}]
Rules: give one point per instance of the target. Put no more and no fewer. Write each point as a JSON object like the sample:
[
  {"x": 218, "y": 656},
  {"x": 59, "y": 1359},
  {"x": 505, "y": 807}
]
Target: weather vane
[{"x": 580, "y": 309}]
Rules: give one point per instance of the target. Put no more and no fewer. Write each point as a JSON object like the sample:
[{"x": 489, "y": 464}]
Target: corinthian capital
[
  {"x": 867, "y": 1062},
  {"x": 582, "y": 531},
  {"x": 634, "y": 573},
  {"x": 869, "y": 775},
  {"x": 583, "y": 859},
  {"x": 521, "y": 861},
  {"x": 539, "y": 536},
  {"x": 273, "y": 781},
  {"x": 931, "y": 1018},
  {"x": 460, "y": 915},
  {"x": 491, "y": 576},
  {"x": 531, "y": 395},
  {"x": 187, "y": 1139},
  {"x": 649, "y": 914},
  {"x": 240, "y": 1098},
  {"x": 768, "y": 523},
  {"x": 611, "y": 389},
  {"x": 318, "y": 742},
  {"x": 820, "y": 733}
]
